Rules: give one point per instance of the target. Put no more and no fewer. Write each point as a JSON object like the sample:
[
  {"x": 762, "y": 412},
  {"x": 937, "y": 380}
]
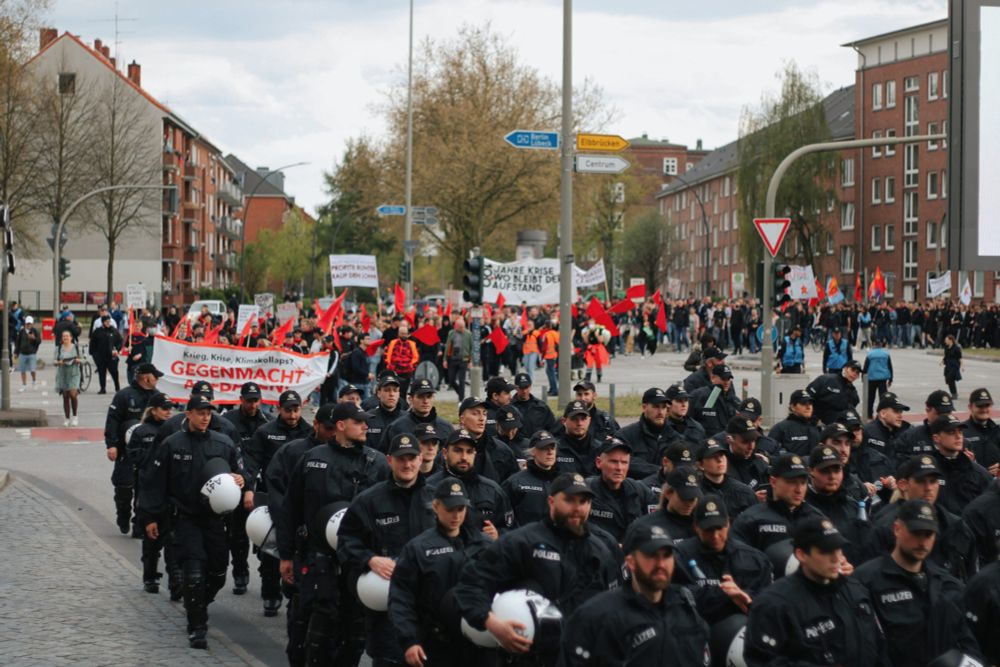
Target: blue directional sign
[
  {"x": 391, "y": 209},
  {"x": 535, "y": 140}
]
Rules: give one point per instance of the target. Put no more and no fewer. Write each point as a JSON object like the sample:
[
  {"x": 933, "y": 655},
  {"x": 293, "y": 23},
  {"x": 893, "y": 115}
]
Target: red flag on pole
[
  {"x": 374, "y": 346},
  {"x": 857, "y": 288},
  {"x": 524, "y": 318},
  {"x": 447, "y": 311},
  {"x": 499, "y": 339},
  {"x": 500, "y": 301},
  {"x": 636, "y": 292},
  {"x": 427, "y": 335},
  {"x": 573, "y": 311},
  {"x": 366, "y": 320},
  {"x": 622, "y": 306},
  {"x": 177, "y": 329},
  {"x": 278, "y": 337},
  {"x": 661, "y": 312},
  {"x": 399, "y": 296},
  {"x": 212, "y": 336},
  {"x": 596, "y": 310}
]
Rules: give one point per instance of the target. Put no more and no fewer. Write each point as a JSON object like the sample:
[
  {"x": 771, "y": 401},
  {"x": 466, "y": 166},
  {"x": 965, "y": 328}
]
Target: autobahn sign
[{"x": 533, "y": 140}]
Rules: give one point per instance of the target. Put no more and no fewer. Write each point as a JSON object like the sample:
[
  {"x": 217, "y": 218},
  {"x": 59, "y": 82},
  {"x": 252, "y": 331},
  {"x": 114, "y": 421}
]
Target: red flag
[
  {"x": 399, "y": 294},
  {"x": 487, "y": 312},
  {"x": 318, "y": 307},
  {"x": 250, "y": 321},
  {"x": 374, "y": 346},
  {"x": 427, "y": 335},
  {"x": 499, "y": 339},
  {"x": 857, "y": 288},
  {"x": 877, "y": 287},
  {"x": 596, "y": 310},
  {"x": 500, "y": 301},
  {"x": 661, "y": 312},
  {"x": 366, "y": 320},
  {"x": 131, "y": 329},
  {"x": 411, "y": 317},
  {"x": 278, "y": 337},
  {"x": 177, "y": 329},
  {"x": 819, "y": 290},
  {"x": 572, "y": 310},
  {"x": 212, "y": 336},
  {"x": 524, "y": 319},
  {"x": 636, "y": 292},
  {"x": 622, "y": 306},
  {"x": 447, "y": 311}
]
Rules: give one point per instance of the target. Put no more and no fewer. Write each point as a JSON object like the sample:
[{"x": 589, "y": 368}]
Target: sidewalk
[{"x": 68, "y": 599}]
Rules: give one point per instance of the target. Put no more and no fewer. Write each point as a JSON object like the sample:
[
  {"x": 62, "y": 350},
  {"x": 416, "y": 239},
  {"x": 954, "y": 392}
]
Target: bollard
[
  {"x": 746, "y": 389},
  {"x": 864, "y": 399},
  {"x": 611, "y": 400}
]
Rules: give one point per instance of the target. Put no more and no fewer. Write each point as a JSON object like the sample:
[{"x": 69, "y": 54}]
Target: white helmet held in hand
[
  {"x": 220, "y": 488},
  {"x": 541, "y": 619},
  {"x": 260, "y": 530},
  {"x": 373, "y": 591}
]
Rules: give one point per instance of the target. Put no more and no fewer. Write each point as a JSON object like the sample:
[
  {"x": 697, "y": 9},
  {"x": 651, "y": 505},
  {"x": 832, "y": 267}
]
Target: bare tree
[{"x": 649, "y": 248}]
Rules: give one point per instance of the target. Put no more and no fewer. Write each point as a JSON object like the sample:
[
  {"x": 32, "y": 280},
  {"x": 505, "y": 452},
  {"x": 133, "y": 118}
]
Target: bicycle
[
  {"x": 86, "y": 374},
  {"x": 817, "y": 338}
]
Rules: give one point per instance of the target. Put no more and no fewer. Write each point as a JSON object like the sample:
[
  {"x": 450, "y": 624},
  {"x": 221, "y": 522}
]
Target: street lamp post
[{"x": 705, "y": 230}]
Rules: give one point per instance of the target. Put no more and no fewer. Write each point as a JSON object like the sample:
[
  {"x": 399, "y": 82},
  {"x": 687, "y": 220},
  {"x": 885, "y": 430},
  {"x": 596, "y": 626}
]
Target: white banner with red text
[{"x": 227, "y": 367}]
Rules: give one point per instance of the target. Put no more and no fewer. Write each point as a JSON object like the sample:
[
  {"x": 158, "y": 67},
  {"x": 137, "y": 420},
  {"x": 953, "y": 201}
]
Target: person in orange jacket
[{"x": 402, "y": 357}]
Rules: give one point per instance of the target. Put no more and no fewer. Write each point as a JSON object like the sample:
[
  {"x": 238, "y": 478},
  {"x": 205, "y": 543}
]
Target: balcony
[
  {"x": 190, "y": 172},
  {"x": 171, "y": 162},
  {"x": 230, "y": 227},
  {"x": 226, "y": 261},
  {"x": 230, "y": 193}
]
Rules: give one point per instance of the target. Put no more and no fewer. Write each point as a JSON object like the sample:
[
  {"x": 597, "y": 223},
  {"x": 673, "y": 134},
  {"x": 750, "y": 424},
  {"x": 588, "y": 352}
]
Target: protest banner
[
  {"x": 938, "y": 286},
  {"x": 534, "y": 282},
  {"x": 803, "y": 283},
  {"x": 353, "y": 271},
  {"x": 264, "y": 301},
  {"x": 227, "y": 367},
  {"x": 591, "y": 277},
  {"x": 244, "y": 315},
  {"x": 135, "y": 296},
  {"x": 286, "y": 311}
]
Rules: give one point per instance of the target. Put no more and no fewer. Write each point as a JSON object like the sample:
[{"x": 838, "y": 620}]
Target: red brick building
[
  {"x": 662, "y": 159},
  {"x": 266, "y": 202}
]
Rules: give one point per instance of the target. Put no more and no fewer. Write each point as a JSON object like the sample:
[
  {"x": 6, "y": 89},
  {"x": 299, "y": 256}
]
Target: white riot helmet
[
  {"x": 220, "y": 488},
  {"x": 541, "y": 619},
  {"x": 782, "y": 557},
  {"x": 328, "y": 520},
  {"x": 373, "y": 591},
  {"x": 260, "y": 530},
  {"x": 483, "y": 638},
  {"x": 726, "y": 641}
]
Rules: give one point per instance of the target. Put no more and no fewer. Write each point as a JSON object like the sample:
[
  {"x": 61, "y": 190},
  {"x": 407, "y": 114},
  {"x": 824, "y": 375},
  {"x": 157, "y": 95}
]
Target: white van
[{"x": 217, "y": 308}]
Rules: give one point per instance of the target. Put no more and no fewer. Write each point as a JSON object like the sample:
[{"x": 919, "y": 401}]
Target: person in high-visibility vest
[
  {"x": 401, "y": 357},
  {"x": 549, "y": 344}
]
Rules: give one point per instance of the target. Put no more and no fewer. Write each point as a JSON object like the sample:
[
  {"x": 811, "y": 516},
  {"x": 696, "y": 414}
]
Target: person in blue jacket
[
  {"x": 878, "y": 373},
  {"x": 837, "y": 352}
]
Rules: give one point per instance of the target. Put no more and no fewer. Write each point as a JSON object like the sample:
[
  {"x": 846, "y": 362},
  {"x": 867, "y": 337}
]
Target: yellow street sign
[{"x": 600, "y": 142}]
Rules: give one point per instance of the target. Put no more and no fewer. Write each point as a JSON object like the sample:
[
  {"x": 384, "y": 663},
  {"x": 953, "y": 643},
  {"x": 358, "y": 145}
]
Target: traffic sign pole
[{"x": 566, "y": 211}]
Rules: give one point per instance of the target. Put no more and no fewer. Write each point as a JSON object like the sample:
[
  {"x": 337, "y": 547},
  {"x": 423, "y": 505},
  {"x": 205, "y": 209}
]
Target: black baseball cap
[
  {"x": 348, "y": 410},
  {"x": 743, "y": 427},
  {"x": 817, "y": 531},
  {"x": 654, "y": 396},
  {"x": 199, "y": 401},
  {"x": 918, "y": 515},
  {"x": 684, "y": 480},
  {"x": 853, "y": 365},
  {"x": 788, "y": 466},
  {"x": 250, "y": 390},
  {"x": 508, "y": 417},
  {"x": 713, "y": 353},
  {"x": 676, "y": 392},
  {"x": 575, "y": 408},
  {"x": 426, "y": 432},
  {"x": 570, "y": 483},
  {"x": 981, "y": 397},
  {"x": 404, "y": 444},
  {"x": 710, "y": 448},
  {"x": 612, "y": 443},
  {"x": 387, "y": 379},
  {"x": 824, "y": 456},
  {"x": 543, "y": 439},
  {"x": 161, "y": 400},
  {"x": 917, "y": 467},
  {"x": 461, "y": 435},
  {"x": 834, "y": 430},
  {"x": 891, "y": 400},
  {"x": 723, "y": 371},
  {"x": 647, "y": 538},
  {"x": 940, "y": 400},
  {"x": 584, "y": 385},
  {"x": 711, "y": 512},
  {"x": 522, "y": 380},
  {"x": 203, "y": 387},
  {"x": 289, "y": 398},
  {"x": 948, "y": 422},
  {"x": 348, "y": 389},
  {"x": 850, "y": 418},
  {"x": 452, "y": 493},
  {"x": 497, "y": 385},
  {"x": 679, "y": 452},
  {"x": 752, "y": 407},
  {"x": 470, "y": 402},
  {"x": 148, "y": 368},
  {"x": 800, "y": 396},
  {"x": 422, "y": 386}
]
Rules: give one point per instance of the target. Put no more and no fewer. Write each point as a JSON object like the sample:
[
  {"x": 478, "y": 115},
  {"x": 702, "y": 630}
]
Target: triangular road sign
[{"x": 772, "y": 231}]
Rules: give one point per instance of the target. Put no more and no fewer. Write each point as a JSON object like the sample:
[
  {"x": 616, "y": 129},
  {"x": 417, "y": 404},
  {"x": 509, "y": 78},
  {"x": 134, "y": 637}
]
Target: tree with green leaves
[
  {"x": 781, "y": 124},
  {"x": 287, "y": 249},
  {"x": 649, "y": 248}
]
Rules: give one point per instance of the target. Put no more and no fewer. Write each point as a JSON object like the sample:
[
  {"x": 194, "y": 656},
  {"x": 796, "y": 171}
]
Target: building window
[
  {"x": 909, "y": 260},
  {"x": 911, "y": 115},
  {"x": 932, "y": 85},
  {"x": 670, "y": 166},
  {"x": 911, "y": 166},
  {"x": 847, "y": 172},
  {"x": 932, "y": 185},
  {"x": 830, "y": 203},
  {"x": 932, "y": 144},
  {"x": 725, "y": 256},
  {"x": 944, "y": 184},
  {"x": 876, "y": 190},
  {"x": 726, "y": 185},
  {"x": 829, "y": 244},
  {"x": 619, "y": 194},
  {"x": 944, "y": 233},
  {"x": 847, "y": 215},
  {"x": 944, "y": 84},
  {"x": 67, "y": 84},
  {"x": 847, "y": 259},
  {"x": 910, "y": 213},
  {"x": 932, "y": 234},
  {"x": 911, "y": 83},
  {"x": 877, "y": 150},
  {"x": 736, "y": 219},
  {"x": 944, "y": 131},
  {"x": 890, "y": 150},
  {"x": 890, "y": 94},
  {"x": 876, "y": 96},
  {"x": 876, "y": 237},
  {"x": 890, "y": 237},
  {"x": 890, "y": 189},
  {"x": 725, "y": 221},
  {"x": 978, "y": 279}
]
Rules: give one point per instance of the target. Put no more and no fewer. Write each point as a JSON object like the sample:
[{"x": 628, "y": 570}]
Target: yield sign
[{"x": 772, "y": 231}]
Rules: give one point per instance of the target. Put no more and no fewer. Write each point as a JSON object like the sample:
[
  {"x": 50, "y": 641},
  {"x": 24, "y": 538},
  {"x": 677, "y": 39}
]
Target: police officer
[
  {"x": 745, "y": 463},
  {"x": 724, "y": 574},
  {"x": 218, "y": 424},
  {"x": 175, "y": 480},
  {"x": 819, "y": 615},
  {"x": 326, "y": 473},
  {"x": 982, "y": 435},
  {"x": 261, "y": 447},
  {"x": 376, "y": 527},
  {"x": 494, "y": 459},
  {"x": 791, "y": 353},
  {"x": 644, "y": 435},
  {"x": 528, "y": 490},
  {"x": 429, "y": 440},
  {"x": 880, "y": 433},
  {"x": 750, "y": 408},
  {"x": 498, "y": 394},
  {"x": 919, "y": 605},
  {"x": 422, "y": 411},
  {"x": 828, "y": 494},
  {"x": 982, "y": 609},
  {"x": 982, "y": 516},
  {"x": 837, "y": 437},
  {"x": 421, "y": 602},
  {"x": 713, "y": 406},
  {"x": 535, "y": 412},
  {"x": 963, "y": 480},
  {"x": 558, "y": 556},
  {"x": 678, "y": 499},
  {"x": 866, "y": 464},
  {"x": 490, "y": 511},
  {"x": 713, "y": 463},
  {"x": 388, "y": 408},
  {"x": 247, "y": 418},
  {"x": 601, "y": 423},
  {"x": 645, "y": 622},
  {"x": 835, "y": 392},
  {"x": 576, "y": 449},
  {"x": 710, "y": 358},
  {"x": 677, "y": 453},
  {"x": 618, "y": 500},
  {"x": 126, "y": 409},
  {"x": 139, "y": 444},
  {"x": 680, "y": 425},
  {"x": 509, "y": 433},
  {"x": 837, "y": 353},
  {"x": 770, "y": 522},
  {"x": 796, "y": 433},
  {"x": 917, "y": 440}
]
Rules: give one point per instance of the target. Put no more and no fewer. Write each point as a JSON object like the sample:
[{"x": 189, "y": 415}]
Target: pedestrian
[
  {"x": 26, "y": 347},
  {"x": 458, "y": 356},
  {"x": 105, "y": 342},
  {"x": 402, "y": 357},
  {"x": 953, "y": 364},
  {"x": 791, "y": 353},
  {"x": 878, "y": 370},
  {"x": 837, "y": 352},
  {"x": 68, "y": 374},
  {"x": 549, "y": 345}
]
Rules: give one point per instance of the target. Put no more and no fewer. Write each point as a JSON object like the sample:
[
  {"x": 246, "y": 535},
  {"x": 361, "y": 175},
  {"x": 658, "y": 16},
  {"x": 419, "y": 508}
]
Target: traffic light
[
  {"x": 404, "y": 271},
  {"x": 473, "y": 280},
  {"x": 781, "y": 284},
  {"x": 63, "y": 268}
]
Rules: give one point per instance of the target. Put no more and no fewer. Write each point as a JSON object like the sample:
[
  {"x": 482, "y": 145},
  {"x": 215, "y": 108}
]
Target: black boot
[
  {"x": 123, "y": 508},
  {"x": 240, "y": 583},
  {"x": 195, "y": 604},
  {"x": 271, "y": 607}
]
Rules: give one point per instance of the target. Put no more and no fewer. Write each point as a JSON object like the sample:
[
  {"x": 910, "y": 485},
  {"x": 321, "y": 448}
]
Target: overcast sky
[{"x": 288, "y": 81}]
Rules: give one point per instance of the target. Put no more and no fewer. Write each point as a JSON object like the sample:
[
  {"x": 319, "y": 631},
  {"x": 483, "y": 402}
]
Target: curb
[
  {"x": 4, "y": 478},
  {"x": 23, "y": 418}
]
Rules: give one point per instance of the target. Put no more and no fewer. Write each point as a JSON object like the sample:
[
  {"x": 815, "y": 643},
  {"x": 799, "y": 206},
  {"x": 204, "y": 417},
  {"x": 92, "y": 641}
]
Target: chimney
[
  {"x": 274, "y": 178},
  {"x": 106, "y": 50},
  {"x": 113, "y": 63},
  {"x": 135, "y": 73},
  {"x": 99, "y": 46},
  {"x": 697, "y": 145},
  {"x": 46, "y": 36}
]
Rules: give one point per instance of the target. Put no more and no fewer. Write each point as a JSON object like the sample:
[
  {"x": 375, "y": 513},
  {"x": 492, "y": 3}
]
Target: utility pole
[
  {"x": 408, "y": 224},
  {"x": 566, "y": 211}
]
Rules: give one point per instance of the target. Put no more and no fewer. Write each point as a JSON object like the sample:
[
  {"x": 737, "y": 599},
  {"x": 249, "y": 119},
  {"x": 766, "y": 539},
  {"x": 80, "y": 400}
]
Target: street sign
[
  {"x": 409, "y": 247},
  {"x": 391, "y": 209},
  {"x": 601, "y": 164},
  {"x": 424, "y": 211},
  {"x": 534, "y": 140},
  {"x": 425, "y": 221},
  {"x": 772, "y": 231},
  {"x": 601, "y": 142}
]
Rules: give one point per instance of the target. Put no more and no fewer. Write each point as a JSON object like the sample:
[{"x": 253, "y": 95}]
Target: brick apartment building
[
  {"x": 662, "y": 159},
  {"x": 267, "y": 203}
]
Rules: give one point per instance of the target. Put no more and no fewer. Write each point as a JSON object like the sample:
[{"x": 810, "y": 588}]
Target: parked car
[{"x": 217, "y": 308}]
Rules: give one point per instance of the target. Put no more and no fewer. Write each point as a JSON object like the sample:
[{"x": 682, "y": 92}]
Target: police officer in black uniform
[
  {"x": 724, "y": 574},
  {"x": 982, "y": 435},
  {"x": 982, "y": 516},
  {"x": 796, "y": 433},
  {"x": 835, "y": 392},
  {"x": 982, "y": 609},
  {"x": 919, "y": 605},
  {"x": 601, "y": 423},
  {"x": 325, "y": 474},
  {"x": 680, "y": 425},
  {"x": 431, "y": 459},
  {"x": 576, "y": 449},
  {"x": 218, "y": 424},
  {"x": 646, "y": 622},
  {"x": 750, "y": 408},
  {"x": 528, "y": 490},
  {"x": 678, "y": 498},
  {"x": 510, "y": 432},
  {"x": 917, "y": 440},
  {"x": 745, "y": 463},
  {"x": 175, "y": 480},
  {"x": 867, "y": 464},
  {"x": 494, "y": 459},
  {"x": 881, "y": 432},
  {"x": 828, "y": 494},
  {"x": 618, "y": 500},
  {"x": 422, "y": 607},
  {"x": 247, "y": 418},
  {"x": 676, "y": 453},
  {"x": 644, "y": 435},
  {"x": 376, "y": 527},
  {"x": 713, "y": 463},
  {"x": 963, "y": 480},
  {"x": 422, "y": 411},
  {"x": 819, "y": 615},
  {"x": 498, "y": 394},
  {"x": 558, "y": 557},
  {"x": 126, "y": 409},
  {"x": 535, "y": 412},
  {"x": 710, "y": 358},
  {"x": 388, "y": 408},
  {"x": 714, "y": 405}
]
